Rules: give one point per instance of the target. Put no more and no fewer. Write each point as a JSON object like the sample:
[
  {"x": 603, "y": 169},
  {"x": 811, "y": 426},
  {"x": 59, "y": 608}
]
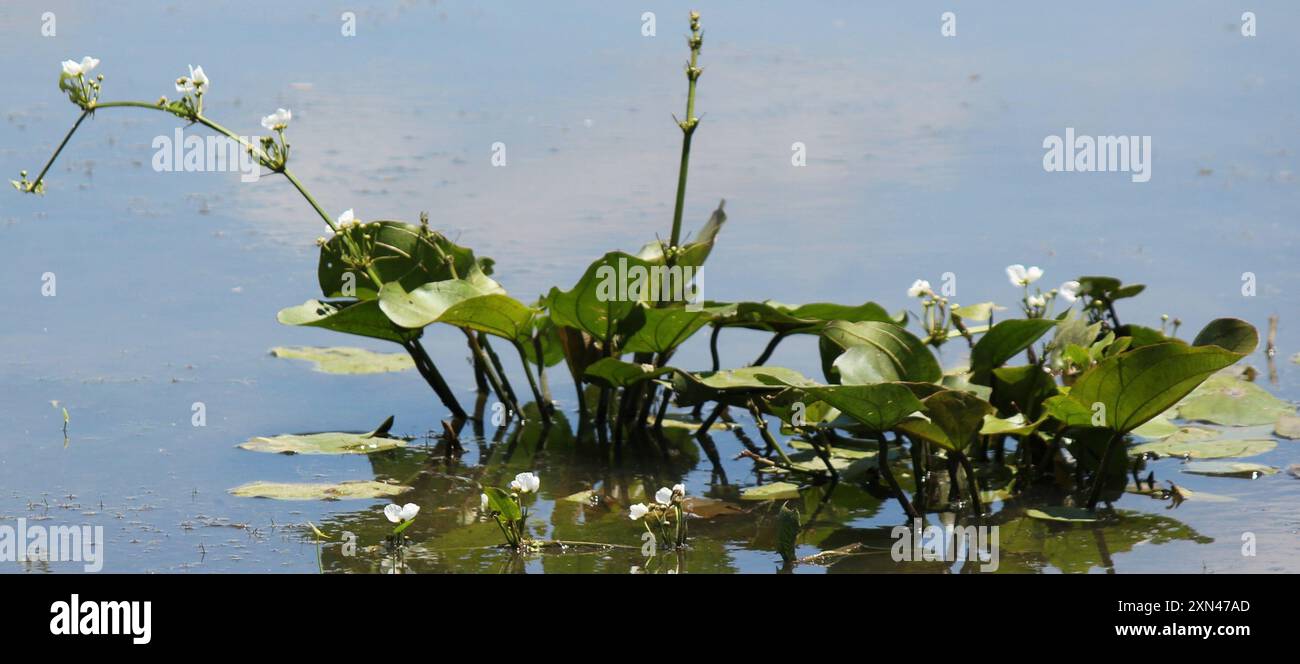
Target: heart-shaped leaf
[
  {"x": 873, "y": 352},
  {"x": 607, "y": 293},
  {"x": 1224, "y": 399},
  {"x": 878, "y": 407},
  {"x": 1231, "y": 334},
  {"x": 398, "y": 252},
  {"x": 665, "y": 328},
  {"x": 1138, "y": 385},
  {"x": 954, "y": 419},
  {"x": 611, "y": 372}
]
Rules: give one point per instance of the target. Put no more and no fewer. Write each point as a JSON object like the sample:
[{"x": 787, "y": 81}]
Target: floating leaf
[
  {"x": 772, "y": 491},
  {"x": 1221, "y": 448},
  {"x": 327, "y": 443},
  {"x": 345, "y": 359},
  {"x": 1287, "y": 426},
  {"x": 1227, "y": 400},
  {"x": 1003, "y": 342},
  {"x": 349, "y": 490},
  {"x": 1156, "y": 427},
  {"x": 1228, "y": 469},
  {"x": 1062, "y": 514},
  {"x": 1231, "y": 334},
  {"x": 873, "y": 352}
]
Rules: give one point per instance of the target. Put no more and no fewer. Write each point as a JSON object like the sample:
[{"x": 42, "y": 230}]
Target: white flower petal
[
  {"x": 346, "y": 217},
  {"x": 393, "y": 513},
  {"x": 1016, "y": 273},
  {"x": 71, "y": 67},
  {"x": 409, "y": 511},
  {"x": 1033, "y": 274},
  {"x": 664, "y": 496},
  {"x": 637, "y": 511},
  {"x": 1069, "y": 290}
]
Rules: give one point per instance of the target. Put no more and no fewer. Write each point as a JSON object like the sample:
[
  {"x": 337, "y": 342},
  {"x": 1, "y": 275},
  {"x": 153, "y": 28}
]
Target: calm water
[{"x": 924, "y": 157}]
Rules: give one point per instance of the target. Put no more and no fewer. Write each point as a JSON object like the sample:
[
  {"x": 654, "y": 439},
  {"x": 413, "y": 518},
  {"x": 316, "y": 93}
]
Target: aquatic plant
[
  {"x": 510, "y": 510},
  {"x": 1069, "y": 410},
  {"x": 667, "y": 502}
]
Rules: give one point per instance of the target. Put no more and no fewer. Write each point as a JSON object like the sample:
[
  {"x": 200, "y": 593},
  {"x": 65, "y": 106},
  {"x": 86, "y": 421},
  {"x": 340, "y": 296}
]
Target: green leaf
[
  {"x": 788, "y": 526},
  {"x": 693, "y": 388},
  {"x": 873, "y": 352},
  {"x": 955, "y": 419},
  {"x": 1067, "y": 411},
  {"x": 1287, "y": 426},
  {"x": 1140, "y": 384},
  {"x": 1222, "y": 448},
  {"x": 771, "y": 316},
  {"x": 1062, "y": 514},
  {"x": 602, "y": 298},
  {"x": 611, "y": 372},
  {"x": 349, "y": 490},
  {"x": 426, "y": 304},
  {"x": 332, "y": 442},
  {"x": 878, "y": 407},
  {"x": 345, "y": 359},
  {"x": 1009, "y": 426},
  {"x": 350, "y": 317},
  {"x": 1224, "y": 399},
  {"x": 1231, "y": 334},
  {"x": 695, "y": 252},
  {"x": 399, "y": 252},
  {"x": 1228, "y": 469},
  {"x": 665, "y": 328},
  {"x": 1003, "y": 342},
  {"x": 977, "y": 312},
  {"x": 1021, "y": 390},
  {"x": 500, "y": 501},
  {"x": 772, "y": 491}
]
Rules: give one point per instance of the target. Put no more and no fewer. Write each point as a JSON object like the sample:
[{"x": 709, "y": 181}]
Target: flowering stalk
[
  {"x": 508, "y": 509},
  {"x": 688, "y": 126},
  {"x": 666, "y": 501}
]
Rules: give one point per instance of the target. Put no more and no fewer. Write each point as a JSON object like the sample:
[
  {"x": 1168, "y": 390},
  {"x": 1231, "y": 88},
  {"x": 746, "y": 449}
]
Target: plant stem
[
  {"x": 882, "y": 464},
  {"x": 688, "y": 130},
  {"x": 424, "y": 364},
  {"x": 1100, "y": 478},
  {"x": 972, "y": 483},
  {"x": 59, "y": 149},
  {"x": 543, "y": 406}
]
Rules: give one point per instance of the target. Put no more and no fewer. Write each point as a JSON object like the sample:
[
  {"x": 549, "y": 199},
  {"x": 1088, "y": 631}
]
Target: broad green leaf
[
  {"x": 549, "y": 339},
  {"x": 345, "y": 359},
  {"x": 1003, "y": 342},
  {"x": 1067, "y": 411},
  {"x": 878, "y": 407},
  {"x": 610, "y": 372},
  {"x": 399, "y": 252},
  {"x": 693, "y": 388},
  {"x": 1231, "y": 334},
  {"x": 873, "y": 352},
  {"x": 954, "y": 419},
  {"x": 1221, "y": 448},
  {"x": 1157, "y": 427},
  {"x": 665, "y": 328},
  {"x": 772, "y": 491},
  {"x": 1228, "y": 469},
  {"x": 1138, "y": 385},
  {"x": 1107, "y": 289},
  {"x": 332, "y": 442},
  {"x": 362, "y": 318},
  {"x": 1224, "y": 399},
  {"x": 425, "y": 305},
  {"x": 607, "y": 293},
  {"x": 1009, "y": 426},
  {"x": 500, "y": 501},
  {"x": 349, "y": 490}
]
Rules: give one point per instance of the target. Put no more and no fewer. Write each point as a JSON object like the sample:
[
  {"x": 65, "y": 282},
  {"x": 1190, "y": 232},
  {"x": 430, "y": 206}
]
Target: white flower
[
  {"x": 74, "y": 68},
  {"x": 1037, "y": 301},
  {"x": 919, "y": 287},
  {"x": 664, "y": 496},
  {"x": 526, "y": 483},
  {"x": 637, "y": 511},
  {"x": 482, "y": 502},
  {"x": 398, "y": 514},
  {"x": 346, "y": 218},
  {"x": 197, "y": 81},
  {"x": 1021, "y": 277},
  {"x": 1070, "y": 291},
  {"x": 198, "y": 78},
  {"x": 277, "y": 120},
  {"x": 679, "y": 489}
]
